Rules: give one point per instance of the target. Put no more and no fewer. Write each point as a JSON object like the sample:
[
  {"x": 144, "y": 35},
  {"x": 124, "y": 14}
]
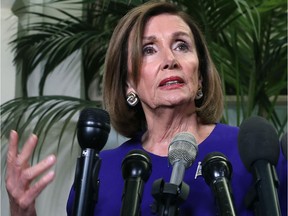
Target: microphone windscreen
[
  {"x": 183, "y": 147},
  {"x": 258, "y": 140},
  {"x": 93, "y": 128},
  {"x": 137, "y": 163},
  {"x": 216, "y": 165}
]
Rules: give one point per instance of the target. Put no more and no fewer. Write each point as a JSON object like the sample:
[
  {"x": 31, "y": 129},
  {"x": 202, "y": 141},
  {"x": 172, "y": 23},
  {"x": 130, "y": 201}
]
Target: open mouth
[{"x": 171, "y": 81}]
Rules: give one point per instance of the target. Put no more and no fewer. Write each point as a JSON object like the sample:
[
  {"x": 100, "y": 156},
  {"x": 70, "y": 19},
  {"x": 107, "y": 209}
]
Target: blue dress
[{"x": 200, "y": 201}]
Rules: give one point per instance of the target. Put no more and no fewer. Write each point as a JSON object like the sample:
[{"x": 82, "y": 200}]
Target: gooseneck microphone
[
  {"x": 259, "y": 150},
  {"x": 93, "y": 129},
  {"x": 182, "y": 152},
  {"x": 136, "y": 170},
  {"x": 217, "y": 172}
]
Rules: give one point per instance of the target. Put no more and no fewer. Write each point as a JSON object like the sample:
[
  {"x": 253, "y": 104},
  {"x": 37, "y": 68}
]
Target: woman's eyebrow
[
  {"x": 149, "y": 38},
  {"x": 181, "y": 33},
  {"x": 175, "y": 34}
]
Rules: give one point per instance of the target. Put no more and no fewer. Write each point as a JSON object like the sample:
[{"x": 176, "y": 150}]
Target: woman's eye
[
  {"x": 148, "y": 50},
  {"x": 182, "y": 46}
]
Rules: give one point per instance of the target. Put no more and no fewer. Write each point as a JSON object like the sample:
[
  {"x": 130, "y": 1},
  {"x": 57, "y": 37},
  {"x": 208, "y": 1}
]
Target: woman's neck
[{"x": 162, "y": 128}]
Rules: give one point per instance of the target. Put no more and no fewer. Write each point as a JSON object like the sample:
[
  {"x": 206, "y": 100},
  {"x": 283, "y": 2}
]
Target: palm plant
[
  {"x": 247, "y": 40},
  {"x": 49, "y": 42},
  {"x": 259, "y": 75}
]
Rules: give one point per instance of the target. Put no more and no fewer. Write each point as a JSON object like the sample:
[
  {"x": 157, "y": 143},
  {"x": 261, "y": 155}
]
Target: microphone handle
[
  {"x": 223, "y": 197},
  {"x": 178, "y": 172},
  {"x": 266, "y": 183},
  {"x": 131, "y": 197},
  {"x": 86, "y": 183}
]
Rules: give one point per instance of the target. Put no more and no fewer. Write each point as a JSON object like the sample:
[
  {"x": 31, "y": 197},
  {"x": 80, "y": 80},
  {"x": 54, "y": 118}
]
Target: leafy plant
[
  {"x": 247, "y": 40},
  {"x": 49, "y": 42}
]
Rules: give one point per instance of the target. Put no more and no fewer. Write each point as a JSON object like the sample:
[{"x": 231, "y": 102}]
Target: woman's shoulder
[
  {"x": 224, "y": 131},
  {"x": 123, "y": 149},
  {"x": 227, "y": 127},
  {"x": 223, "y": 138}
]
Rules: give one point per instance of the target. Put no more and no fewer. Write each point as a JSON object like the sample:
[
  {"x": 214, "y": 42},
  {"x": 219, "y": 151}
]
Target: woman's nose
[{"x": 169, "y": 60}]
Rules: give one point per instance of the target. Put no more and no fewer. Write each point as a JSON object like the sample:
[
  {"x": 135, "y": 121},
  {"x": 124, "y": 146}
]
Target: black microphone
[
  {"x": 283, "y": 143},
  {"x": 182, "y": 152},
  {"x": 217, "y": 172},
  {"x": 93, "y": 129},
  {"x": 259, "y": 150},
  {"x": 136, "y": 170}
]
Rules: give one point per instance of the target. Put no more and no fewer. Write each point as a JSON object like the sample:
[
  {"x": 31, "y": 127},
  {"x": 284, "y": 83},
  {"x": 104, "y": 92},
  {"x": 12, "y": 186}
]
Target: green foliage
[
  {"x": 247, "y": 41},
  {"x": 41, "y": 114}
]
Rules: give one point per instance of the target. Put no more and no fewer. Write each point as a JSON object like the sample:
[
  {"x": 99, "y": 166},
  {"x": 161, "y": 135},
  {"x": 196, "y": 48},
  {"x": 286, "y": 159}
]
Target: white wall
[
  {"x": 8, "y": 72},
  {"x": 7, "y": 78}
]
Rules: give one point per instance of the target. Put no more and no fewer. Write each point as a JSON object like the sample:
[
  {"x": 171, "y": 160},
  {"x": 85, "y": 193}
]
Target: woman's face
[{"x": 169, "y": 73}]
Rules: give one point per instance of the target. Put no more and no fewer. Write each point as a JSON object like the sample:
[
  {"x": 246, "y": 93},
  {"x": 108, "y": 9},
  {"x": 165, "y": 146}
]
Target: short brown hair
[{"x": 127, "y": 120}]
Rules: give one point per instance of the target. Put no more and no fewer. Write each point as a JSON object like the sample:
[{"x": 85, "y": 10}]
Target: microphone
[
  {"x": 217, "y": 171},
  {"x": 93, "y": 129},
  {"x": 283, "y": 143},
  {"x": 259, "y": 150},
  {"x": 136, "y": 170},
  {"x": 182, "y": 152}
]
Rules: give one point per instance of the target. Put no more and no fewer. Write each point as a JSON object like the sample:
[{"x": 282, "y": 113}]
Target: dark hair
[{"x": 130, "y": 120}]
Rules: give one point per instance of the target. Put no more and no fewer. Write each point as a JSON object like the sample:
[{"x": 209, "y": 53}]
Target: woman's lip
[{"x": 171, "y": 81}]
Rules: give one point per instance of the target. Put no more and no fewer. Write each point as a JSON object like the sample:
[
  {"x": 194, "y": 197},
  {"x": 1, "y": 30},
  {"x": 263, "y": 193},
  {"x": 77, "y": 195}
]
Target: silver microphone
[{"x": 182, "y": 152}]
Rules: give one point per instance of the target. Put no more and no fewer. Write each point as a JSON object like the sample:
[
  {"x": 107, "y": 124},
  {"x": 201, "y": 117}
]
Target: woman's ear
[
  {"x": 129, "y": 87},
  {"x": 200, "y": 80},
  {"x": 131, "y": 95}
]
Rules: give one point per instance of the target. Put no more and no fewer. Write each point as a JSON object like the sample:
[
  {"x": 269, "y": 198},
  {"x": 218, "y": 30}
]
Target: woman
[{"x": 159, "y": 82}]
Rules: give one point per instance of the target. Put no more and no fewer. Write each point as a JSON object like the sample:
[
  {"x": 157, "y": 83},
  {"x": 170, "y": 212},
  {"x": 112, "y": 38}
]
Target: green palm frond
[
  {"x": 56, "y": 37},
  {"x": 40, "y": 114},
  {"x": 252, "y": 57},
  {"x": 51, "y": 43}
]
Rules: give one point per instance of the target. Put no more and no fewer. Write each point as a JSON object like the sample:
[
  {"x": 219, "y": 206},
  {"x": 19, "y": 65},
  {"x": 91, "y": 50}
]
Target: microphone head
[
  {"x": 284, "y": 145},
  {"x": 93, "y": 128},
  {"x": 137, "y": 163},
  {"x": 183, "y": 148},
  {"x": 258, "y": 140},
  {"x": 216, "y": 165}
]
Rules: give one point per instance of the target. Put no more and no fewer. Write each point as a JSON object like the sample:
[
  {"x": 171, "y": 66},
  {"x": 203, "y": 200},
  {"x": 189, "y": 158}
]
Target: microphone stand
[
  {"x": 262, "y": 197},
  {"x": 86, "y": 187},
  {"x": 168, "y": 197}
]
